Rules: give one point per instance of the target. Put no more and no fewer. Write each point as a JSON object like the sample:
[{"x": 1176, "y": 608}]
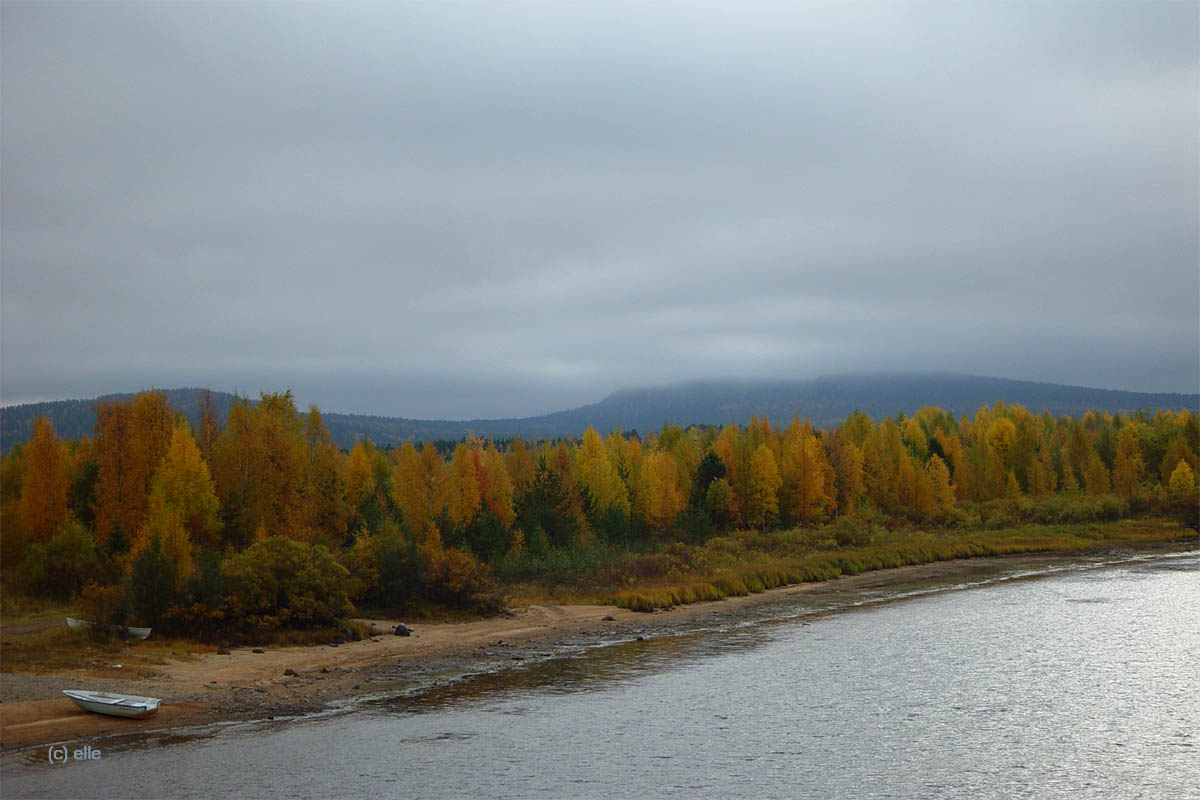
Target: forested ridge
[
  {"x": 824, "y": 401},
  {"x": 258, "y": 520}
]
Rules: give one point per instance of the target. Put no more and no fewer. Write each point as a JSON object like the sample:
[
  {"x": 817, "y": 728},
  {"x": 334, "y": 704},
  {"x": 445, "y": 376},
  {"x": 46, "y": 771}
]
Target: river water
[{"x": 1079, "y": 681}]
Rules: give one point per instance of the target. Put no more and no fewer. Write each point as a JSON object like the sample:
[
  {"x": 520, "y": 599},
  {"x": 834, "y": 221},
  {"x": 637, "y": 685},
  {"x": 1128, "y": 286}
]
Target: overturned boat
[
  {"x": 124, "y": 630},
  {"x": 116, "y": 705}
]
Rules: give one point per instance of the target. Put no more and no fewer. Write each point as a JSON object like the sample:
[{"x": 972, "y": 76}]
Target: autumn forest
[{"x": 262, "y": 522}]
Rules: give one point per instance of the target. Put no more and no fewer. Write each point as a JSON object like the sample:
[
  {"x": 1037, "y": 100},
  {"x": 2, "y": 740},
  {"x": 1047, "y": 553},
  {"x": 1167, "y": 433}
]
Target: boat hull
[
  {"x": 115, "y": 705},
  {"x": 133, "y": 633}
]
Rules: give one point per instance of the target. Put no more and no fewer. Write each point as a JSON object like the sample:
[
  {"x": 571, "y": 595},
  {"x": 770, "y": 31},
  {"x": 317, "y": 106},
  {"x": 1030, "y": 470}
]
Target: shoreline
[{"x": 244, "y": 685}]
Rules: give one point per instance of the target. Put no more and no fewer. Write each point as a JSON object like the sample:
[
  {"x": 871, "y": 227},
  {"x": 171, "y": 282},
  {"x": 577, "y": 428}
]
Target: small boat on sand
[
  {"x": 116, "y": 705},
  {"x": 134, "y": 633}
]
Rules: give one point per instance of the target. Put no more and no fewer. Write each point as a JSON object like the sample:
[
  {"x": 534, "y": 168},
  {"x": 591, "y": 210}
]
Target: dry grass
[
  {"x": 57, "y": 648},
  {"x": 751, "y": 563},
  {"x": 746, "y": 562},
  {"x": 34, "y": 638}
]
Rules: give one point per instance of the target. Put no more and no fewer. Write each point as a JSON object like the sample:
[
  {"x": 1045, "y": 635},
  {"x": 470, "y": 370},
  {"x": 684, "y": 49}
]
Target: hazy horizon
[
  {"x": 473, "y": 211},
  {"x": 303, "y": 404}
]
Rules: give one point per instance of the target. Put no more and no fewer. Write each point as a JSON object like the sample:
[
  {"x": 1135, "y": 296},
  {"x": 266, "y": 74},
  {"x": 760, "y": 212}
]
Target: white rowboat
[
  {"x": 134, "y": 633},
  {"x": 116, "y": 705}
]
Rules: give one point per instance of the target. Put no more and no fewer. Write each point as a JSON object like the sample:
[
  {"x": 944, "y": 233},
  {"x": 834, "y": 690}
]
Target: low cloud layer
[{"x": 489, "y": 210}]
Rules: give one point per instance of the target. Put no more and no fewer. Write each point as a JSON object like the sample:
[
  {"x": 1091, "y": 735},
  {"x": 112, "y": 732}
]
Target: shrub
[
  {"x": 1112, "y": 507},
  {"x": 462, "y": 581},
  {"x": 61, "y": 567},
  {"x": 402, "y": 573},
  {"x": 361, "y": 561},
  {"x": 1076, "y": 508},
  {"x": 105, "y": 606},
  {"x": 151, "y": 583},
  {"x": 487, "y": 536},
  {"x": 613, "y": 526},
  {"x": 199, "y": 620},
  {"x": 651, "y": 565},
  {"x": 1008, "y": 513},
  {"x": 1183, "y": 505},
  {"x": 384, "y": 568},
  {"x": 14, "y": 544},
  {"x": 849, "y": 533},
  {"x": 287, "y": 582},
  {"x": 206, "y": 586},
  {"x": 953, "y": 518},
  {"x": 695, "y": 526}
]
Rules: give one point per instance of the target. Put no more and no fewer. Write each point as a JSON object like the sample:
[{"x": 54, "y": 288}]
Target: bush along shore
[{"x": 263, "y": 529}]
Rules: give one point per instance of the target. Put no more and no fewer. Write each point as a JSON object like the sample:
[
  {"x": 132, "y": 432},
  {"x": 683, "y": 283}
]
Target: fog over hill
[
  {"x": 490, "y": 209},
  {"x": 825, "y": 401}
]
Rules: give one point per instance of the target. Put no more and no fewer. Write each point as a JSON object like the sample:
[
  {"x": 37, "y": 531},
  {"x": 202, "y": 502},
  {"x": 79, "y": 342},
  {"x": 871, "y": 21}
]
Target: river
[{"x": 1076, "y": 681}]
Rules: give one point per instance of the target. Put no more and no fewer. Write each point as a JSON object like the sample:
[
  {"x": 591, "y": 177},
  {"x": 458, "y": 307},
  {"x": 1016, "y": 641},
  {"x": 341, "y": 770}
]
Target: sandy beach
[{"x": 289, "y": 681}]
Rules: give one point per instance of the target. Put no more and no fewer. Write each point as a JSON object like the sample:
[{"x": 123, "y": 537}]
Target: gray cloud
[{"x": 492, "y": 210}]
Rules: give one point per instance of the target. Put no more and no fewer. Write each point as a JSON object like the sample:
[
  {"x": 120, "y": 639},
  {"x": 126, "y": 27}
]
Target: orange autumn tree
[
  {"x": 182, "y": 508},
  {"x": 686, "y": 453},
  {"x": 45, "y": 486},
  {"x": 1096, "y": 476},
  {"x": 1128, "y": 467},
  {"x": 762, "y": 496},
  {"x": 519, "y": 465},
  {"x": 847, "y": 465},
  {"x": 463, "y": 494},
  {"x": 598, "y": 475},
  {"x": 410, "y": 490},
  {"x": 499, "y": 495},
  {"x": 561, "y": 460},
  {"x": 1177, "y": 450},
  {"x": 164, "y": 525},
  {"x": 733, "y": 449},
  {"x": 131, "y": 440},
  {"x": 880, "y": 467},
  {"x": 209, "y": 429},
  {"x": 915, "y": 439},
  {"x": 1182, "y": 479},
  {"x": 942, "y": 492},
  {"x": 182, "y": 485},
  {"x": 326, "y": 505},
  {"x": 1042, "y": 478},
  {"x": 909, "y": 488},
  {"x": 803, "y": 469},
  {"x": 418, "y": 486},
  {"x": 359, "y": 475},
  {"x": 625, "y": 455},
  {"x": 235, "y": 467},
  {"x": 281, "y": 436},
  {"x": 664, "y": 500},
  {"x": 257, "y": 468}
]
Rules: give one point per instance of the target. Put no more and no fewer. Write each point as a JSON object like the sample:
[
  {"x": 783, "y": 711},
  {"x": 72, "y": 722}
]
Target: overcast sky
[{"x": 458, "y": 210}]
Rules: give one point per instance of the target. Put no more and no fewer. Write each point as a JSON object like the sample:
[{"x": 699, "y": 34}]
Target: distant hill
[
  {"x": 826, "y": 401},
  {"x": 75, "y": 418}
]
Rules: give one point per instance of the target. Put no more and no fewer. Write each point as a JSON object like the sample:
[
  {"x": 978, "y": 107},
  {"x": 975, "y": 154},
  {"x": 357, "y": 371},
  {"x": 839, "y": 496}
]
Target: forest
[{"x": 263, "y": 523}]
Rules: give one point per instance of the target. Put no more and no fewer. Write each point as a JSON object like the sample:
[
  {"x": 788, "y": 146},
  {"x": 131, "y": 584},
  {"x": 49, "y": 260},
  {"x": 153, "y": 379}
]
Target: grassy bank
[
  {"x": 747, "y": 562},
  {"x": 34, "y": 638}
]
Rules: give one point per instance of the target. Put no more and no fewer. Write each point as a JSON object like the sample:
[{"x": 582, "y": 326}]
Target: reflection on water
[{"x": 1076, "y": 683}]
